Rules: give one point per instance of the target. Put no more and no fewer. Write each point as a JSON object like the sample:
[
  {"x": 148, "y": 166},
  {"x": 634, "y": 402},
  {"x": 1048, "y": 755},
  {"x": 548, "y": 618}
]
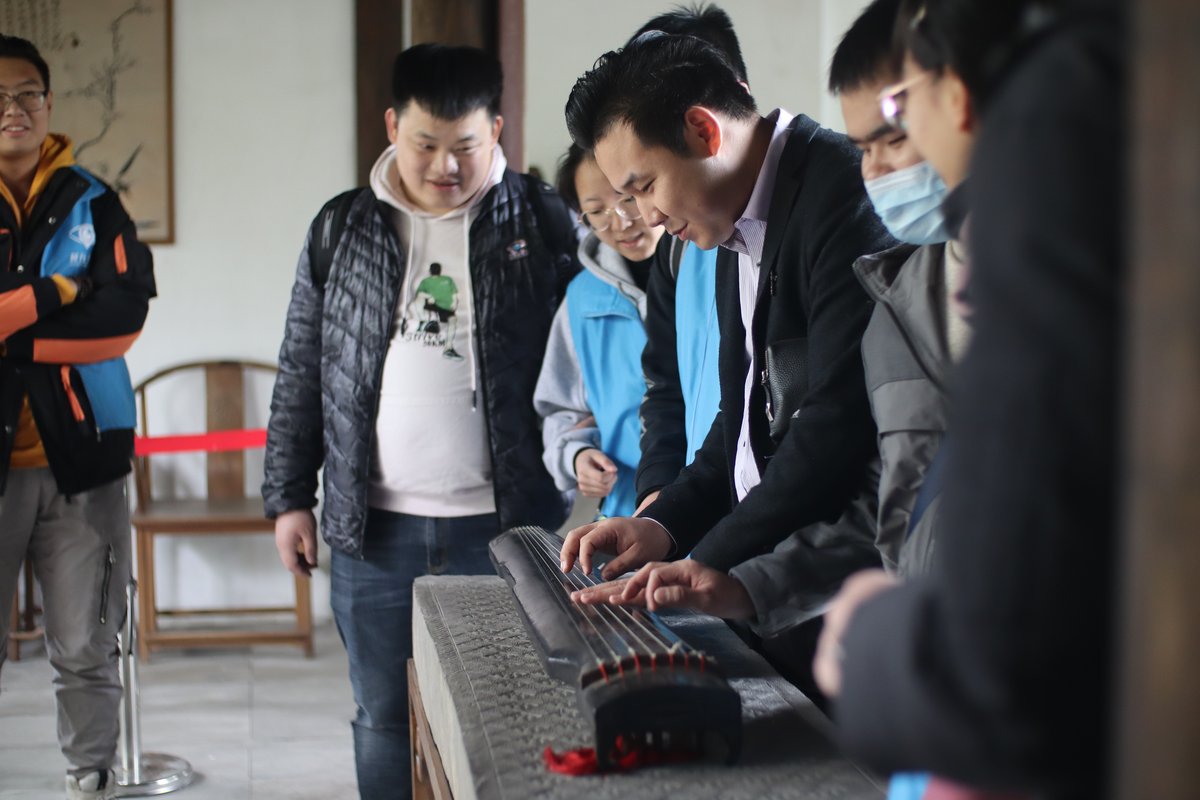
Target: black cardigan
[{"x": 819, "y": 222}]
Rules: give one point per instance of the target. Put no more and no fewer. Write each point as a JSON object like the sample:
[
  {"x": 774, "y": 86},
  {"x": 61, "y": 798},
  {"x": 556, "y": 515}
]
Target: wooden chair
[
  {"x": 24, "y": 625},
  {"x": 225, "y": 509}
]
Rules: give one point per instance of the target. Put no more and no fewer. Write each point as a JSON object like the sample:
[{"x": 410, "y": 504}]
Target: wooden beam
[{"x": 1159, "y": 725}]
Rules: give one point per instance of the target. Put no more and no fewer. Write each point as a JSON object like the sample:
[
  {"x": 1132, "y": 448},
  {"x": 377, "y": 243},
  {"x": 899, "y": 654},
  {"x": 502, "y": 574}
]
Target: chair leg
[
  {"x": 304, "y": 612},
  {"x": 147, "y": 621},
  {"x": 14, "y": 645},
  {"x": 23, "y": 625}
]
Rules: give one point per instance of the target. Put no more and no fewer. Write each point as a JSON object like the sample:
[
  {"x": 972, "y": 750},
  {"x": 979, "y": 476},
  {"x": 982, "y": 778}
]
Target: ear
[
  {"x": 702, "y": 131},
  {"x": 497, "y": 126},
  {"x": 391, "y": 121},
  {"x": 962, "y": 110},
  {"x": 49, "y": 102}
]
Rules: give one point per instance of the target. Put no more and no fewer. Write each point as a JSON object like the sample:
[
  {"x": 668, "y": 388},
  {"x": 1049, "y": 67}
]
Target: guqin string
[
  {"x": 615, "y": 619},
  {"x": 604, "y": 651}
]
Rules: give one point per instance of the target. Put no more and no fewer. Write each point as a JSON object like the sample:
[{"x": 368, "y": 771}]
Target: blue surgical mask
[{"x": 909, "y": 201}]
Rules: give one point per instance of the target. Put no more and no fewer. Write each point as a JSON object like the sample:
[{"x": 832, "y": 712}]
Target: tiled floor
[{"x": 263, "y": 723}]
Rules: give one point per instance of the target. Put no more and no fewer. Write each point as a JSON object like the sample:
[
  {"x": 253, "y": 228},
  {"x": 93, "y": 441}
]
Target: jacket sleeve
[
  {"x": 24, "y": 302},
  {"x": 663, "y": 417},
  {"x": 822, "y": 460},
  {"x": 560, "y": 233},
  {"x": 295, "y": 441},
  {"x": 105, "y": 322},
  {"x": 698, "y": 497},
  {"x": 560, "y": 400},
  {"x": 795, "y": 582}
]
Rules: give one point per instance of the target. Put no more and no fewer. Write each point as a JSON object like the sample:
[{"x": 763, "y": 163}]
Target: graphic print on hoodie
[
  {"x": 431, "y": 455},
  {"x": 436, "y": 306}
]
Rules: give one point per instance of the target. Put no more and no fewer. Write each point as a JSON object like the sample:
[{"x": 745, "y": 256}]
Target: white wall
[
  {"x": 786, "y": 45},
  {"x": 264, "y": 134}
]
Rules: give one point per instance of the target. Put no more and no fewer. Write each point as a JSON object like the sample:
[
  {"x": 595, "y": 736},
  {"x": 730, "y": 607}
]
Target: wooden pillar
[
  {"x": 510, "y": 49},
  {"x": 1158, "y": 740},
  {"x": 378, "y": 36}
]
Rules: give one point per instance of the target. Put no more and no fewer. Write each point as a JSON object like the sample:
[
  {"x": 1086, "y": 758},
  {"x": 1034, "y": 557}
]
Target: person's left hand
[
  {"x": 676, "y": 584},
  {"x": 858, "y": 588}
]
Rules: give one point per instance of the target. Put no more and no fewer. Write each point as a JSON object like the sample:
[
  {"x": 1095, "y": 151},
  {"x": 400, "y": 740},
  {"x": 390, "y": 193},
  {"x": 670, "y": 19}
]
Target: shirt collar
[{"x": 749, "y": 233}]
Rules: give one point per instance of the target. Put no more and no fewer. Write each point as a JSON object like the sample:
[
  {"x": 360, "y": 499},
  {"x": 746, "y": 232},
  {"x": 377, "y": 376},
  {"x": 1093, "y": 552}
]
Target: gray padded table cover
[{"x": 492, "y": 710}]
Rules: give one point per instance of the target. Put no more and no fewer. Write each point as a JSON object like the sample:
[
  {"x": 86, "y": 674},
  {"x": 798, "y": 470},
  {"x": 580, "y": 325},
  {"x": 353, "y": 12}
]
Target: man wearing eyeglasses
[{"x": 75, "y": 284}]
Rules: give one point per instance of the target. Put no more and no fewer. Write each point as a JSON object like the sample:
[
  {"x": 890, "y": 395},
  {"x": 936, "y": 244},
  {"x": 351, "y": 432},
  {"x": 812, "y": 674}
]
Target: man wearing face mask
[{"x": 918, "y": 329}]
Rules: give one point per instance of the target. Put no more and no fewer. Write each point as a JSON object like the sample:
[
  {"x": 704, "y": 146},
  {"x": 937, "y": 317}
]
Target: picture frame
[{"x": 110, "y": 75}]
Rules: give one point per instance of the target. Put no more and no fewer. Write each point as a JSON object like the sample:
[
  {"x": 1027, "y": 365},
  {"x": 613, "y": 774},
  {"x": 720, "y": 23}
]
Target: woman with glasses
[{"x": 591, "y": 384}]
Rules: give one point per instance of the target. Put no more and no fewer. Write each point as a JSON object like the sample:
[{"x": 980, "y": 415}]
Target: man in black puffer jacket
[{"x": 407, "y": 369}]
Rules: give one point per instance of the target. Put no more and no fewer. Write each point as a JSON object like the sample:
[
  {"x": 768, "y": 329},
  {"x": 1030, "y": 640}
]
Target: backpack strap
[
  {"x": 559, "y": 232},
  {"x": 676, "y": 256},
  {"x": 327, "y": 230}
]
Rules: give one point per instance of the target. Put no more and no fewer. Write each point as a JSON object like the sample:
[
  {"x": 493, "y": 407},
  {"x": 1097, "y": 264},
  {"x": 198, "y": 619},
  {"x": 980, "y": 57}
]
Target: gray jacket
[
  {"x": 795, "y": 582},
  {"x": 907, "y": 362}
]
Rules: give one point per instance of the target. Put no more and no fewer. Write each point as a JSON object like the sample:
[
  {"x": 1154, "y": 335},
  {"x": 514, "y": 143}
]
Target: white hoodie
[{"x": 431, "y": 454}]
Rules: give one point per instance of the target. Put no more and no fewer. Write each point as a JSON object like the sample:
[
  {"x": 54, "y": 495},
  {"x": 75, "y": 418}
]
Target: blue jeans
[{"x": 372, "y": 605}]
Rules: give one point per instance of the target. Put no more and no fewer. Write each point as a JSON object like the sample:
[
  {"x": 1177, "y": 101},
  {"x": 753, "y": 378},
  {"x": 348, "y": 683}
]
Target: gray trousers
[{"x": 79, "y": 546}]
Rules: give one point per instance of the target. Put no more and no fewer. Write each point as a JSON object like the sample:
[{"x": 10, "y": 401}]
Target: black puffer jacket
[{"x": 337, "y": 336}]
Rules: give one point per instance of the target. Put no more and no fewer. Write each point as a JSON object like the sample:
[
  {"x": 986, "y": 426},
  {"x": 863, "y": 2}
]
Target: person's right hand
[
  {"x": 296, "y": 533},
  {"x": 634, "y": 541},
  {"x": 595, "y": 472}
]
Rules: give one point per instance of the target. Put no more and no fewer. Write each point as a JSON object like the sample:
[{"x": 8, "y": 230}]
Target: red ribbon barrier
[{"x": 212, "y": 442}]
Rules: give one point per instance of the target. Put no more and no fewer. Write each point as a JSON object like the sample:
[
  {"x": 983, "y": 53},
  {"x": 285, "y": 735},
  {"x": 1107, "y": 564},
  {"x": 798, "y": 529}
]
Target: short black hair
[
  {"x": 974, "y": 39},
  {"x": 649, "y": 84},
  {"x": 448, "y": 81},
  {"x": 16, "y": 47},
  {"x": 866, "y": 54},
  {"x": 564, "y": 179},
  {"x": 704, "y": 21}
]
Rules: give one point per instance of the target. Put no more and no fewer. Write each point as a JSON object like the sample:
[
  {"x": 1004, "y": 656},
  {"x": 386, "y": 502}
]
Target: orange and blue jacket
[{"x": 65, "y": 396}]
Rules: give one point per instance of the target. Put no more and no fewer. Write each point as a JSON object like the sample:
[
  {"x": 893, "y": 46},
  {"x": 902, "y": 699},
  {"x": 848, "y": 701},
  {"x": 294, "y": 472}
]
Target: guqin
[{"x": 633, "y": 676}]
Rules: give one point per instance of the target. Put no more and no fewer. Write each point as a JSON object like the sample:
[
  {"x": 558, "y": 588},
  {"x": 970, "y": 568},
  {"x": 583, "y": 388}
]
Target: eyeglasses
[
  {"x": 26, "y": 101},
  {"x": 892, "y": 100},
  {"x": 600, "y": 221}
]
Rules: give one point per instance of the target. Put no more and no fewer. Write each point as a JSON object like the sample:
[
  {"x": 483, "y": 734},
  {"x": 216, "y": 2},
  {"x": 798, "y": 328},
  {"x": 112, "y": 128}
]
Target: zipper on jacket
[
  {"x": 109, "y": 561},
  {"x": 12, "y": 246},
  {"x": 72, "y": 398}
]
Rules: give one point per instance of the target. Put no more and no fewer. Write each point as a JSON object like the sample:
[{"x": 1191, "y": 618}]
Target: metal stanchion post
[{"x": 141, "y": 774}]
